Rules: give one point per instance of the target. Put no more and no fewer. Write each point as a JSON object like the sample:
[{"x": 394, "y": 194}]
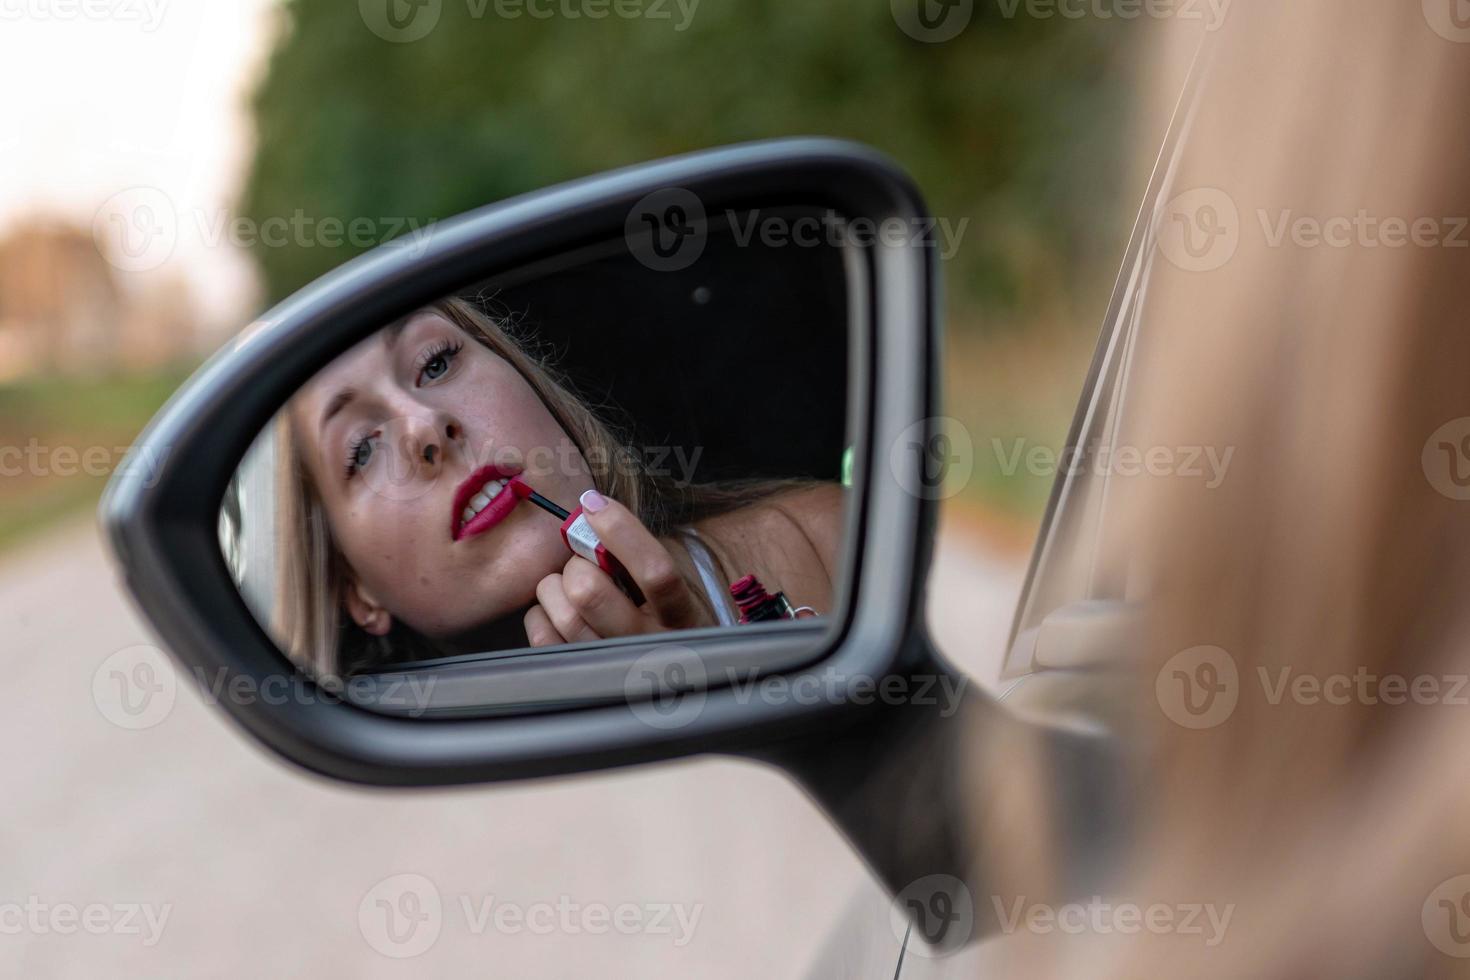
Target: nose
[{"x": 425, "y": 441}]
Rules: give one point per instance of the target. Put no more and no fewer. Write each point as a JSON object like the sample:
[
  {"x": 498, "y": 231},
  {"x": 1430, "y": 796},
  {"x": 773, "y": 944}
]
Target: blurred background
[
  {"x": 173, "y": 167},
  {"x": 174, "y": 170}
]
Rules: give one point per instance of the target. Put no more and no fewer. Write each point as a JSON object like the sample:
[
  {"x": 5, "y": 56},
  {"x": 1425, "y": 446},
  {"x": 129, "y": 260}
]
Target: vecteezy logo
[
  {"x": 1199, "y": 231},
  {"x": 936, "y": 909},
  {"x": 932, "y": 21},
  {"x": 137, "y": 229},
  {"x": 933, "y": 459},
  {"x": 401, "y": 916},
  {"x": 1446, "y": 917},
  {"x": 665, "y": 687},
  {"x": 1450, "y": 19},
  {"x": 1446, "y": 459},
  {"x": 134, "y": 688},
  {"x": 666, "y": 230},
  {"x": 1198, "y": 687},
  {"x": 400, "y": 21}
]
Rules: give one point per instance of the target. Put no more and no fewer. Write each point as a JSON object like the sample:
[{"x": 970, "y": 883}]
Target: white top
[{"x": 709, "y": 575}]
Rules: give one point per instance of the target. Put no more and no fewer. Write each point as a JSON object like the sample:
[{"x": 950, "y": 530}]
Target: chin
[{"x": 530, "y": 556}]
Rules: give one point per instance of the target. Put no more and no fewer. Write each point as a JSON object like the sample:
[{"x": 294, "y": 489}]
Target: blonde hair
[{"x": 1332, "y": 548}]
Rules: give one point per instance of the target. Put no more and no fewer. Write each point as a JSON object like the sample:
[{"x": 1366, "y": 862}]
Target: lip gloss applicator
[{"x": 577, "y": 532}]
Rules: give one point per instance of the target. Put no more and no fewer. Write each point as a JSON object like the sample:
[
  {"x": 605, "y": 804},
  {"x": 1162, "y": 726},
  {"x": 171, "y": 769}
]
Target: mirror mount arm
[{"x": 914, "y": 785}]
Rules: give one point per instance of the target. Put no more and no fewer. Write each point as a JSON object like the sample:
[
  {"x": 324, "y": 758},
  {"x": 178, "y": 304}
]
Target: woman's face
[{"x": 404, "y": 432}]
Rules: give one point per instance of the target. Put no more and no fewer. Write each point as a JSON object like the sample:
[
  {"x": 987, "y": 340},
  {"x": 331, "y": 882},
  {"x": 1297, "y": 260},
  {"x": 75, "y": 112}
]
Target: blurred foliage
[
  {"x": 115, "y": 406},
  {"x": 1012, "y": 393},
  {"x": 43, "y": 415},
  {"x": 1019, "y": 124}
]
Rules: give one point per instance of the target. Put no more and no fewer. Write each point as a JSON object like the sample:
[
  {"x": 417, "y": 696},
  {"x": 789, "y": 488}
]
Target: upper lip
[{"x": 472, "y": 485}]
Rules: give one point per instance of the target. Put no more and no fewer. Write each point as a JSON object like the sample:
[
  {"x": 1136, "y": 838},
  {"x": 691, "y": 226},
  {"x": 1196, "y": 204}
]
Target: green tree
[{"x": 1018, "y": 124}]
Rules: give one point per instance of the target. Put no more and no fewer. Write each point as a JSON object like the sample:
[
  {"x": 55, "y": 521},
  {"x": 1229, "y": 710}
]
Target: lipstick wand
[{"x": 561, "y": 513}]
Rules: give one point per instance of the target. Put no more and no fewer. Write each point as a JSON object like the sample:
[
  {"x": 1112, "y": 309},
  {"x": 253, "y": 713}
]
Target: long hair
[
  {"x": 312, "y": 572},
  {"x": 1324, "y": 805}
]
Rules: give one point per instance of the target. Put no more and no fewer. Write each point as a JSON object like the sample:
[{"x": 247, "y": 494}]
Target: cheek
[
  {"x": 390, "y": 546},
  {"x": 513, "y": 416}
]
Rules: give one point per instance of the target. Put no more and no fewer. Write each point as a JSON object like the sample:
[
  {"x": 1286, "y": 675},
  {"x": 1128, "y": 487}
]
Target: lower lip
[{"x": 495, "y": 511}]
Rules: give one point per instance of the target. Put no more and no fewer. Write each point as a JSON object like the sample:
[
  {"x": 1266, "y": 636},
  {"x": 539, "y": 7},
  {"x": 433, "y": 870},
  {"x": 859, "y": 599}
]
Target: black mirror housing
[{"x": 164, "y": 530}]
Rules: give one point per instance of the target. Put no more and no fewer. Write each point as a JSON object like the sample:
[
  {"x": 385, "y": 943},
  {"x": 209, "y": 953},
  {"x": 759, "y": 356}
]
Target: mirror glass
[{"x": 609, "y": 443}]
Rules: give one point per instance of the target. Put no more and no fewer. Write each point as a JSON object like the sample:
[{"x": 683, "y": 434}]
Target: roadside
[{"x": 263, "y": 868}]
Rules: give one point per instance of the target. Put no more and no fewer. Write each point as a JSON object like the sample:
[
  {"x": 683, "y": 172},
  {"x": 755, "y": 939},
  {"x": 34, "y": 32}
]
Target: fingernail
[{"x": 592, "y": 501}]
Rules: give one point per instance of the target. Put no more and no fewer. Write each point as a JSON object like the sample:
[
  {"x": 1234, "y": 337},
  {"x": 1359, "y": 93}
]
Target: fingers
[
  {"x": 539, "y": 630},
  {"x": 599, "y": 602},
  {"x": 645, "y": 558},
  {"x": 562, "y": 612}
]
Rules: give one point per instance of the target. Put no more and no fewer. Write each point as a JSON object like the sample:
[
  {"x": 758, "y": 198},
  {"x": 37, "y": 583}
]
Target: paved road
[{"x": 261, "y": 870}]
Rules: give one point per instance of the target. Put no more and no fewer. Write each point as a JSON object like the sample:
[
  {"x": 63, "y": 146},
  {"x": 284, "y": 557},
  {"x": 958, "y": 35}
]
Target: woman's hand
[{"x": 582, "y": 602}]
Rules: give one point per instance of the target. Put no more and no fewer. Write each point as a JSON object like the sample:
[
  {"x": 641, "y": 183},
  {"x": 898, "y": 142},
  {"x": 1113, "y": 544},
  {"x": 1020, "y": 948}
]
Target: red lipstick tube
[
  {"x": 577, "y": 532},
  {"x": 581, "y": 539}
]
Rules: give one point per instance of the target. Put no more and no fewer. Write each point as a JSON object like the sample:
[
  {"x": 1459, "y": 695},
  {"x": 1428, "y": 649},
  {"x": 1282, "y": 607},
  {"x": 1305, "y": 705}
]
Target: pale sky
[{"x": 106, "y": 95}]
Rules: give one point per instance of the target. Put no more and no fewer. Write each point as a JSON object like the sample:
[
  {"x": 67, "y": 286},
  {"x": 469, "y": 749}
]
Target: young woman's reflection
[{"x": 401, "y": 541}]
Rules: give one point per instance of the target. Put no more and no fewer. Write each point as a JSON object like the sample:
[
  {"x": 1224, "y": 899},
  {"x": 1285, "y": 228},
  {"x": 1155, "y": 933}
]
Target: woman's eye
[
  {"x": 437, "y": 362},
  {"x": 436, "y": 367},
  {"x": 358, "y": 455}
]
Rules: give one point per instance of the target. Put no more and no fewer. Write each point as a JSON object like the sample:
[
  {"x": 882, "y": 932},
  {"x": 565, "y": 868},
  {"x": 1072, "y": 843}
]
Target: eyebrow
[{"x": 341, "y": 399}]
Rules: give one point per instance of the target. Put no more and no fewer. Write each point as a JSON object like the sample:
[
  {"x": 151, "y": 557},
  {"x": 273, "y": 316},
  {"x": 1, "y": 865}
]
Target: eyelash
[
  {"x": 443, "y": 348},
  {"x": 352, "y": 449}
]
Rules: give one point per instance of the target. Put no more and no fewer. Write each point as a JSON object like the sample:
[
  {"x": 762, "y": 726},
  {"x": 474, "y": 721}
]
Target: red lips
[{"x": 493, "y": 513}]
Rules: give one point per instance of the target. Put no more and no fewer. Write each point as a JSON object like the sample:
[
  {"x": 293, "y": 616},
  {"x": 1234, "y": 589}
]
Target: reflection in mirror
[{"x": 583, "y": 449}]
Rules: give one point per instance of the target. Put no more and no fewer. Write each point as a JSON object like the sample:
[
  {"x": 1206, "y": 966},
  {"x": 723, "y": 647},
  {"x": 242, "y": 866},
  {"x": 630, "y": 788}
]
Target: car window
[{"x": 1066, "y": 583}]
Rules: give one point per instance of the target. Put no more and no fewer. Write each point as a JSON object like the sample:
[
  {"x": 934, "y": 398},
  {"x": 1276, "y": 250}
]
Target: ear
[{"x": 365, "y": 610}]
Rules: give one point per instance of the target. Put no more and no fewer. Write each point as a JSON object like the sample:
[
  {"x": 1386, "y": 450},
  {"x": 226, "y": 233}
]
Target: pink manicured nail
[{"x": 592, "y": 501}]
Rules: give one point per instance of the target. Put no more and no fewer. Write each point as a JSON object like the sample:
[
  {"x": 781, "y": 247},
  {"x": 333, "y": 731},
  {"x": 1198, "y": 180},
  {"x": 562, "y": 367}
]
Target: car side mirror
[{"x": 766, "y": 309}]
